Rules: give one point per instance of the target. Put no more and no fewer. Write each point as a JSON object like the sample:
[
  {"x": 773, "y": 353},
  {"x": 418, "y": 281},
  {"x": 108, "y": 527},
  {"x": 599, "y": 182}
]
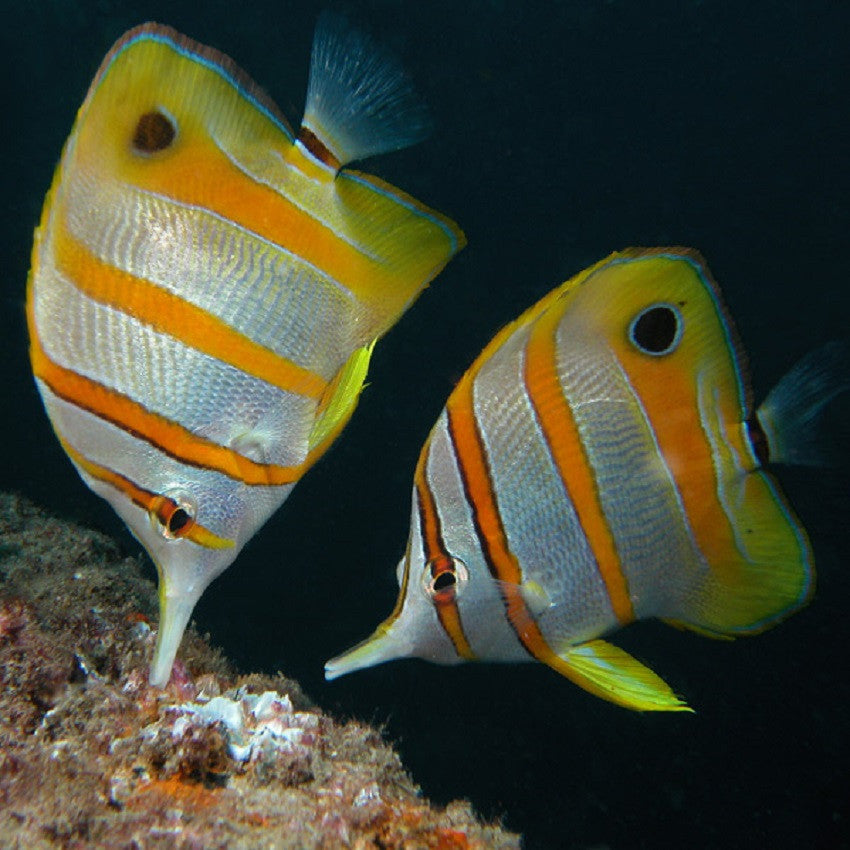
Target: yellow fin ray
[
  {"x": 339, "y": 401},
  {"x": 409, "y": 242},
  {"x": 609, "y": 672},
  {"x": 767, "y": 575}
]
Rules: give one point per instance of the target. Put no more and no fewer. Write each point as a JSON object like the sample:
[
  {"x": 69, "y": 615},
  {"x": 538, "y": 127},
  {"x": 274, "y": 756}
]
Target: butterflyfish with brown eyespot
[
  {"x": 601, "y": 463},
  {"x": 207, "y": 286}
]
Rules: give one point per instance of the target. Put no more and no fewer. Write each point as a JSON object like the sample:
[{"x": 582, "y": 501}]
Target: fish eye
[
  {"x": 657, "y": 330},
  {"x": 155, "y": 131},
  {"x": 173, "y": 515},
  {"x": 443, "y": 578}
]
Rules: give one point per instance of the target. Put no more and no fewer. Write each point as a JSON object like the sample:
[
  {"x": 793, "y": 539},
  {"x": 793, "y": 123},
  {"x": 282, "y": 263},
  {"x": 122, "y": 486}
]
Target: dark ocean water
[{"x": 563, "y": 131}]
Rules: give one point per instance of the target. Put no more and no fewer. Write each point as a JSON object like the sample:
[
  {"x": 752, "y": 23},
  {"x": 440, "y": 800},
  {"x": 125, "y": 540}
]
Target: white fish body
[{"x": 206, "y": 288}]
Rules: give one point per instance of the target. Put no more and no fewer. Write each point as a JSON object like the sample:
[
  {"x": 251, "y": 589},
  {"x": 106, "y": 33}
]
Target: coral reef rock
[{"x": 92, "y": 756}]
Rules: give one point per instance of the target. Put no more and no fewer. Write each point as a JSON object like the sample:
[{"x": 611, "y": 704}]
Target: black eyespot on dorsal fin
[{"x": 154, "y": 132}]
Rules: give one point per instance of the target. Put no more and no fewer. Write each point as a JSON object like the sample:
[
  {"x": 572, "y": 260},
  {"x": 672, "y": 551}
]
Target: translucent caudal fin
[
  {"x": 792, "y": 415},
  {"x": 359, "y": 100}
]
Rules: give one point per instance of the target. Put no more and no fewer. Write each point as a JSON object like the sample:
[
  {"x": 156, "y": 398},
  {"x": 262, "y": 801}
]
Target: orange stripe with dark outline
[
  {"x": 683, "y": 436},
  {"x": 435, "y": 549},
  {"x": 169, "y": 314},
  {"x": 235, "y": 195},
  {"x": 565, "y": 446},
  {"x": 167, "y": 436},
  {"x": 502, "y": 563},
  {"x": 145, "y": 499}
]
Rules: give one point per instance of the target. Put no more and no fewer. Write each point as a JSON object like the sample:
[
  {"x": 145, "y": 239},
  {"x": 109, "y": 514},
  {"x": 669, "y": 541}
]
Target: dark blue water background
[{"x": 563, "y": 131}]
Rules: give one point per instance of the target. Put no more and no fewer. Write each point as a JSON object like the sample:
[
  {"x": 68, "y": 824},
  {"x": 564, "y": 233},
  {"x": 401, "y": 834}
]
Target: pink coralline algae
[{"x": 92, "y": 756}]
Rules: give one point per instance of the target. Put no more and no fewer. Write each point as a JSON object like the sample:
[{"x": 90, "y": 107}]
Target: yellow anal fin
[
  {"x": 608, "y": 672},
  {"x": 339, "y": 401}
]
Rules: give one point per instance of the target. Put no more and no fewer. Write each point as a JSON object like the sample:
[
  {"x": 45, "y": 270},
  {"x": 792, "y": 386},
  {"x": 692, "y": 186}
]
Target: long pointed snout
[
  {"x": 382, "y": 646},
  {"x": 174, "y": 614}
]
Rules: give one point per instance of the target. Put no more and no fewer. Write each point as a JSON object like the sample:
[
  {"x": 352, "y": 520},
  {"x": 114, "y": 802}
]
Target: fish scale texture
[{"x": 92, "y": 756}]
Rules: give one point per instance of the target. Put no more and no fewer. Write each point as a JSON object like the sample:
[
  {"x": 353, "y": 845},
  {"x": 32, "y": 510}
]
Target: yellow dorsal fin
[
  {"x": 608, "y": 672},
  {"x": 339, "y": 401}
]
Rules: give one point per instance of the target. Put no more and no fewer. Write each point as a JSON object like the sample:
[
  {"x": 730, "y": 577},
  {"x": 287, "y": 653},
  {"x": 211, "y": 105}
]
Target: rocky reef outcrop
[{"x": 92, "y": 756}]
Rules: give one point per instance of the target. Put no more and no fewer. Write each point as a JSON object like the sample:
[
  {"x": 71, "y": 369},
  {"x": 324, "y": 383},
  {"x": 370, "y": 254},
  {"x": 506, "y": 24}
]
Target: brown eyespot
[{"x": 154, "y": 132}]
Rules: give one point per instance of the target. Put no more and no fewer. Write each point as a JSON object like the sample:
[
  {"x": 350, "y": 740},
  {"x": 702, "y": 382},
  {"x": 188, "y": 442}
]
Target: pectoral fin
[
  {"x": 609, "y": 672},
  {"x": 339, "y": 402}
]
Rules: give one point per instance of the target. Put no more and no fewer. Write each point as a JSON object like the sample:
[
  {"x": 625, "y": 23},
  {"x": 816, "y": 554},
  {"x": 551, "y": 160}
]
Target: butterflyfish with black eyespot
[
  {"x": 601, "y": 463},
  {"x": 207, "y": 286}
]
